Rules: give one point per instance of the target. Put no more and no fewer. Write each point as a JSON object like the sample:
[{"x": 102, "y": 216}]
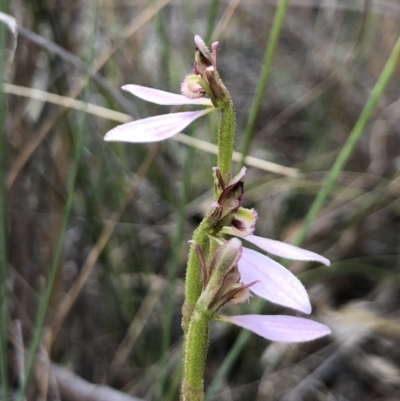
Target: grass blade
[
  {"x": 337, "y": 167},
  {"x": 45, "y": 299},
  {"x": 354, "y": 136},
  {"x": 264, "y": 75}
]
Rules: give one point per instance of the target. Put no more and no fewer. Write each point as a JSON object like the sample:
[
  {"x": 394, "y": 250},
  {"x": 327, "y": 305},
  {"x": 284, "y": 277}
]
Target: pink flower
[
  {"x": 158, "y": 128},
  {"x": 258, "y": 273},
  {"x": 273, "y": 282}
]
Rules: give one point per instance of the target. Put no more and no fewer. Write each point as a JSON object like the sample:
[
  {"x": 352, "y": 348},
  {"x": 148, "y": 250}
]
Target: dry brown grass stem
[
  {"x": 67, "y": 102},
  {"x": 225, "y": 19},
  {"x": 27, "y": 152}
]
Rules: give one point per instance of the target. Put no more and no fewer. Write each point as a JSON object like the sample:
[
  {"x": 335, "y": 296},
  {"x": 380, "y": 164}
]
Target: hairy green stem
[
  {"x": 194, "y": 283},
  {"x": 195, "y": 357},
  {"x": 195, "y": 316},
  {"x": 226, "y": 139}
]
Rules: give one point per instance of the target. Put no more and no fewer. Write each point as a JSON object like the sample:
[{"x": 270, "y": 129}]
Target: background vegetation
[{"x": 93, "y": 235}]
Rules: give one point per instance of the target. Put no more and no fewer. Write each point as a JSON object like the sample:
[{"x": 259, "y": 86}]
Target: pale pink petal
[
  {"x": 238, "y": 177},
  {"x": 154, "y": 129},
  {"x": 284, "y": 250},
  {"x": 164, "y": 98},
  {"x": 288, "y": 329},
  {"x": 274, "y": 282}
]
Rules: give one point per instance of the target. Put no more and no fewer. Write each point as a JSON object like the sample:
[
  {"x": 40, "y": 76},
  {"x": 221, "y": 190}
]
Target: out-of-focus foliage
[{"x": 114, "y": 313}]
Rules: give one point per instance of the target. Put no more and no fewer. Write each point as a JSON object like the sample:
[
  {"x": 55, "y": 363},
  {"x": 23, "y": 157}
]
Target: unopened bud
[
  {"x": 205, "y": 65},
  {"x": 203, "y": 56},
  {"x": 224, "y": 260}
]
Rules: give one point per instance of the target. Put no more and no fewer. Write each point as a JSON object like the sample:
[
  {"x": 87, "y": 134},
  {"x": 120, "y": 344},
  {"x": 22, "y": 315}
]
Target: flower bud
[
  {"x": 205, "y": 65},
  {"x": 191, "y": 87},
  {"x": 231, "y": 197},
  {"x": 222, "y": 263},
  {"x": 202, "y": 58},
  {"x": 219, "y": 183}
]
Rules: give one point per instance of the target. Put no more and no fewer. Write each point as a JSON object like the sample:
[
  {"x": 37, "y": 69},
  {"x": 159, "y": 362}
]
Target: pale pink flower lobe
[
  {"x": 281, "y": 328},
  {"x": 284, "y": 250},
  {"x": 163, "y": 98},
  {"x": 154, "y": 129},
  {"x": 274, "y": 282}
]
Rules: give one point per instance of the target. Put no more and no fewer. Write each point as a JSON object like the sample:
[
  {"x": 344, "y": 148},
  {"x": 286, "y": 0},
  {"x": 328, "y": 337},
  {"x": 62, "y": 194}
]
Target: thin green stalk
[
  {"x": 279, "y": 17},
  {"x": 195, "y": 357},
  {"x": 193, "y": 280},
  {"x": 45, "y": 299},
  {"x": 3, "y": 219},
  {"x": 195, "y": 316},
  {"x": 226, "y": 139},
  {"x": 172, "y": 276},
  {"x": 343, "y": 156},
  {"x": 354, "y": 136},
  {"x": 211, "y": 19}
]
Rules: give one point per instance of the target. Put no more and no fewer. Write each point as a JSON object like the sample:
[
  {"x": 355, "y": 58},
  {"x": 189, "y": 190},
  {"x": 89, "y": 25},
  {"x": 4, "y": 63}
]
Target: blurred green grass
[{"x": 133, "y": 207}]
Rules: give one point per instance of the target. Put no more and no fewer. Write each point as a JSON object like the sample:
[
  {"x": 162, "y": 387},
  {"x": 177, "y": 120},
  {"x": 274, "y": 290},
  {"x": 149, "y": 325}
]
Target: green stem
[
  {"x": 194, "y": 282},
  {"x": 195, "y": 317},
  {"x": 211, "y": 18},
  {"x": 168, "y": 312},
  {"x": 226, "y": 139},
  {"x": 264, "y": 75},
  {"x": 195, "y": 357}
]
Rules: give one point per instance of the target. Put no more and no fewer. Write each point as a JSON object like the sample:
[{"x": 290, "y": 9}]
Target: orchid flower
[
  {"x": 274, "y": 283},
  {"x": 260, "y": 274},
  {"x": 158, "y": 128},
  {"x": 204, "y": 81},
  {"x": 220, "y": 269},
  {"x": 235, "y": 270}
]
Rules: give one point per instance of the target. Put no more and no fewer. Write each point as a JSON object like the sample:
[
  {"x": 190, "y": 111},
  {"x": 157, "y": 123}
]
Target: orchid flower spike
[
  {"x": 257, "y": 272},
  {"x": 230, "y": 218},
  {"x": 203, "y": 81},
  {"x": 234, "y": 271}
]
